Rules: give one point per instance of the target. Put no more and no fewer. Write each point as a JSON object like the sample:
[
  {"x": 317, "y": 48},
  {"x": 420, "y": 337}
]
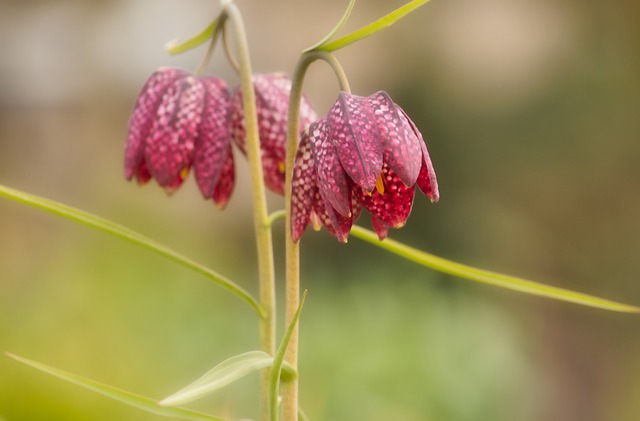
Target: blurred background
[{"x": 530, "y": 110}]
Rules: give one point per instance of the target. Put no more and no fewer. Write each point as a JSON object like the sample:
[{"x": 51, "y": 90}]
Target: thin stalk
[
  {"x": 290, "y": 389},
  {"x": 262, "y": 226},
  {"x": 212, "y": 45}
]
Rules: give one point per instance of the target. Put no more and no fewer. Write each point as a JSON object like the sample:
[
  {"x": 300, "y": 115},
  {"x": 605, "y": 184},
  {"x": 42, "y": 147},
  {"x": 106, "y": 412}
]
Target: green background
[{"x": 530, "y": 111}]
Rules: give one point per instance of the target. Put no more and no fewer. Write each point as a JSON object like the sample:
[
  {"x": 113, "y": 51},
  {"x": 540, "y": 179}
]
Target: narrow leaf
[
  {"x": 373, "y": 27},
  {"x": 276, "y": 368},
  {"x": 335, "y": 30},
  {"x": 176, "y": 46},
  {"x": 219, "y": 376},
  {"x": 223, "y": 374},
  {"x": 491, "y": 278},
  {"x": 117, "y": 230},
  {"x": 132, "y": 399}
]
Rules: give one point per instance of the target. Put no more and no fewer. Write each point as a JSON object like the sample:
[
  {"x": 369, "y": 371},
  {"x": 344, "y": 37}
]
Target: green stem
[
  {"x": 264, "y": 241},
  {"x": 488, "y": 277},
  {"x": 292, "y": 299}
]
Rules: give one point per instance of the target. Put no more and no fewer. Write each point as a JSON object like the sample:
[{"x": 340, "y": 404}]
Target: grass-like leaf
[
  {"x": 373, "y": 27},
  {"x": 132, "y": 399},
  {"x": 335, "y": 30},
  {"x": 488, "y": 277},
  {"x": 221, "y": 375},
  {"x": 117, "y": 230},
  {"x": 176, "y": 46},
  {"x": 278, "y": 359}
]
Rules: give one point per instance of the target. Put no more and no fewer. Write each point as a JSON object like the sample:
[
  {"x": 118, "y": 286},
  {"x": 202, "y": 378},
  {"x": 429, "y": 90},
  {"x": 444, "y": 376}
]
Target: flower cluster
[
  {"x": 182, "y": 122},
  {"x": 365, "y": 152}
]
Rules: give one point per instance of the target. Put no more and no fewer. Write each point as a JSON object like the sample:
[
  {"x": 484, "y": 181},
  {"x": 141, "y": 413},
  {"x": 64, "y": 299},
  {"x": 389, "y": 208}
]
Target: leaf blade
[
  {"x": 335, "y": 30},
  {"x": 219, "y": 376},
  {"x": 130, "y": 235},
  {"x": 131, "y": 399},
  {"x": 373, "y": 27},
  {"x": 491, "y": 278},
  {"x": 176, "y": 46}
]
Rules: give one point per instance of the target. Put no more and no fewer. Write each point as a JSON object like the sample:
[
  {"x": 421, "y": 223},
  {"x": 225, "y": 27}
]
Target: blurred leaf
[
  {"x": 176, "y": 46},
  {"x": 221, "y": 375},
  {"x": 487, "y": 277},
  {"x": 335, "y": 30},
  {"x": 374, "y": 27},
  {"x": 132, "y": 399},
  {"x": 274, "y": 375},
  {"x": 116, "y": 230}
]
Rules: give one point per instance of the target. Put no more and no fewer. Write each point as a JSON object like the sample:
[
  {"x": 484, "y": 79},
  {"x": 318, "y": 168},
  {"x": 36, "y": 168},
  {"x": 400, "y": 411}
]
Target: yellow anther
[
  {"x": 184, "y": 173},
  {"x": 281, "y": 167},
  {"x": 380, "y": 184}
]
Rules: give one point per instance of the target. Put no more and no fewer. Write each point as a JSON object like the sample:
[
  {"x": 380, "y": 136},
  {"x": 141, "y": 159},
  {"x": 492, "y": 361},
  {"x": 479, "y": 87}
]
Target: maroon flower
[
  {"x": 182, "y": 121},
  {"x": 272, "y": 103},
  {"x": 366, "y": 153}
]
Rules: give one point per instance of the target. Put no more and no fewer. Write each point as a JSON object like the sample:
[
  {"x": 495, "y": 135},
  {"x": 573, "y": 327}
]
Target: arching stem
[{"x": 290, "y": 389}]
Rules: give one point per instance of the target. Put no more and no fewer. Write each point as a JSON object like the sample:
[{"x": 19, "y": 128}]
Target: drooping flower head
[
  {"x": 181, "y": 121},
  {"x": 272, "y": 103},
  {"x": 365, "y": 152}
]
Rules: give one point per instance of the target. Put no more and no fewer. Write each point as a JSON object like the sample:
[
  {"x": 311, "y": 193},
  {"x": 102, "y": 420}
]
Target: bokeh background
[{"x": 531, "y": 112}]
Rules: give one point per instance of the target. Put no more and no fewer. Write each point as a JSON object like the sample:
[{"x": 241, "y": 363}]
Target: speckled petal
[
  {"x": 226, "y": 182},
  {"x": 332, "y": 180},
  {"x": 379, "y": 227},
  {"x": 272, "y": 103},
  {"x": 427, "y": 181},
  {"x": 393, "y": 206},
  {"x": 400, "y": 145},
  {"x": 142, "y": 119},
  {"x": 214, "y": 137},
  {"x": 142, "y": 173},
  {"x": 337, "y": 225},
  {"x": 353, "y": 130},
  {"x": 169, "y": 148},
  {"x": 303, "y": 188}
]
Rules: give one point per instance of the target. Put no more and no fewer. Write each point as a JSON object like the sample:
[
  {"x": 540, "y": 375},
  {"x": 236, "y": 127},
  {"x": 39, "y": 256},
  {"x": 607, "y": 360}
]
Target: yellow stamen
[
  {"x": 281, "y": 167},
  {"x": 184, "y": 173},
  {"x": 380, "y": 184}
]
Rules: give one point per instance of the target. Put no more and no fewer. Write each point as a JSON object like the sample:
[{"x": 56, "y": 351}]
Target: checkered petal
[
  {"x": 393, "y": 205},
  {"x": 379, "y": 227},
  {"x": 226, "y": 182},
  {"x": 142, "y": 118},
  {"x": 353, "y": 130},
  {"x": 427, "y": 181},
  {"x": 214, "y": 138},
  {"x": 332, "y": 180},
  {"x": 272, "y": 103},
  {"x": 303, "y": 188},
  {"x": 170, "y": 146},
  {"x": 400, "y": 145}
]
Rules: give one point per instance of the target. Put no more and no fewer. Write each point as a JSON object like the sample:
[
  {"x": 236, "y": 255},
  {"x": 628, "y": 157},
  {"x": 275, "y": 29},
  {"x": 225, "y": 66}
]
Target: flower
[
  {"x": 182, "y": 121},
  {"x": 365, "y": 153},
  {"x": 272, "y": 103}
]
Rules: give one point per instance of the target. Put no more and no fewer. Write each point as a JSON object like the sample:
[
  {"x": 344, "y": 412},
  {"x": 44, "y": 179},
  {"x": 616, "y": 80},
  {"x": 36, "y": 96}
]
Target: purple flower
[
  {"x": 365, "y": 153},
  {"x": 272, "y": 103},
  {"x": 181, "y": 121}
]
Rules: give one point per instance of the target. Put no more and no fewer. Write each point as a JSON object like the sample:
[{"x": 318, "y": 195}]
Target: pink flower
[
  {"x": 366, "y": 153},
  {"x": 272, "y": 103},
  {"x": 181, "y": 121}
]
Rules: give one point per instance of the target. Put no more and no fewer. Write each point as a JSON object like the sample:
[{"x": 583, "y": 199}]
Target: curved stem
[
  {"x": 227, "y": 49},
  {"x": 212, "y": 45},
  {"x": 264, "y": 241},
  {"x": 290, "y": 389}
]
